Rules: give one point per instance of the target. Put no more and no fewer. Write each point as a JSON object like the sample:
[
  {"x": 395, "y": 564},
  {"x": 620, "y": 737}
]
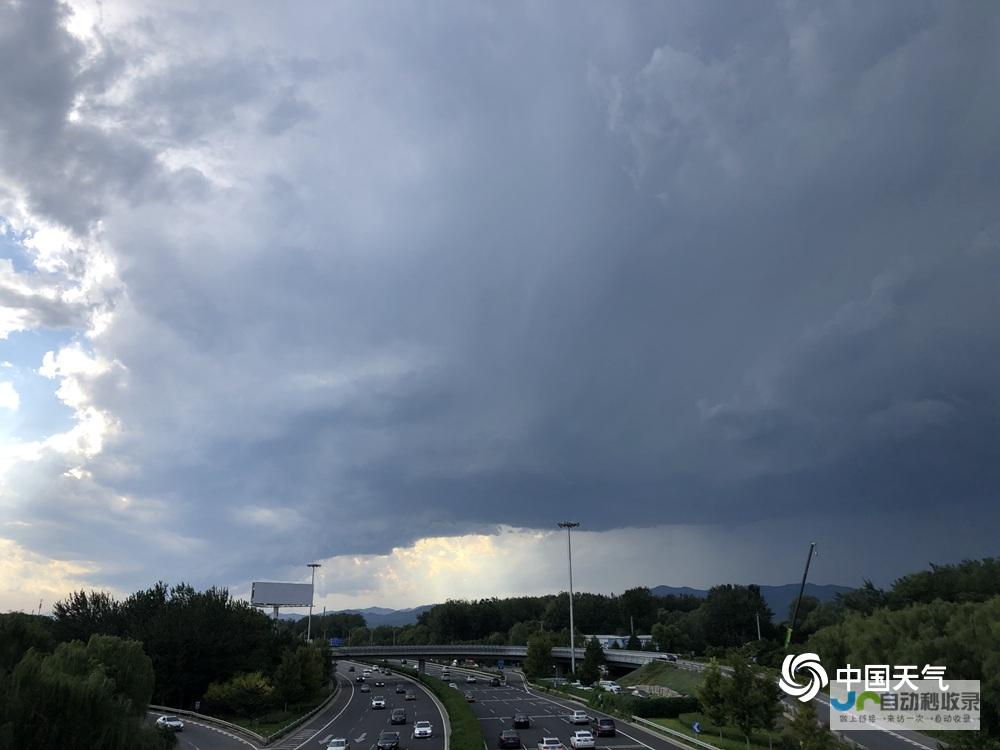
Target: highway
[
  {"x": 349, "y": 715},
  {"x": 495, "y": 708}
]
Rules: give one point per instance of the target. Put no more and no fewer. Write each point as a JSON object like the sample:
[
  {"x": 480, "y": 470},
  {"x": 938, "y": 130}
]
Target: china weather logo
[{"x": 806, "y": 663}]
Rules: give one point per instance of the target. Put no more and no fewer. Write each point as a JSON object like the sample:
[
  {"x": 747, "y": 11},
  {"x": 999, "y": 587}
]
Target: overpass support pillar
[{"x": 421, "y": 666}]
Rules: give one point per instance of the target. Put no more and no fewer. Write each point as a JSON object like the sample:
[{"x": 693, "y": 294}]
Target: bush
[
  {"x": 665, "y": 708},
  {"x": 244, "y": 695}
]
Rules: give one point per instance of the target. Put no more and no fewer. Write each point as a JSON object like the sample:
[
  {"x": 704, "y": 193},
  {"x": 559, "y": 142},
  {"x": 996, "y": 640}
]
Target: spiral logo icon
[{"x": 803, "y": 663}]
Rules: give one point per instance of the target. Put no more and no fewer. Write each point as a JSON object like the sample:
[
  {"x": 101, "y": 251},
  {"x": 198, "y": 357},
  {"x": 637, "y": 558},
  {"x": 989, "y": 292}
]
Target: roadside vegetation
[
  {"x": 73, "y": 694},
  {"x": 466, "y": 734},
  {"x": 664, "y": 674}
]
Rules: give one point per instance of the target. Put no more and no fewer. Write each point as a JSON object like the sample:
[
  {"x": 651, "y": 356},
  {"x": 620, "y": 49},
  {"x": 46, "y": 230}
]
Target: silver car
[
  {"x": 422, "y": 729},
  {"x": 173, "y": 723}
]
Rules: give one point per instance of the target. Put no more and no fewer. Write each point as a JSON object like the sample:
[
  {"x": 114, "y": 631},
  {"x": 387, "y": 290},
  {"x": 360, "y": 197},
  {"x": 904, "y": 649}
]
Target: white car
[
  {"x": 579, "y": 717},
  {"x": 551, "y": 743},
  {"x": 339, "y": 743},
  {"x": 423, "y": 729},
  {"x": 581, "y": 739},
  {"x": 378, "y": 702},
  {"x": 172, "y": 723},
  {"x": 470, "y": 678}
]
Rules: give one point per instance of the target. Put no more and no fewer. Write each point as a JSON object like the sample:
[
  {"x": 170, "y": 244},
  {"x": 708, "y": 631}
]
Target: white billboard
[{"x": 264, "y": 594}]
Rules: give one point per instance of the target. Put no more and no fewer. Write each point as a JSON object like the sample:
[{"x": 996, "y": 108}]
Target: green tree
[
  {"x": 633, "y": 643},
  {"x": 593, "y": 657},
  {"x": 538, "y": 662},
  {"x": 66, "y": 700},
  {"x": 751, "y": 703},
  {"x": 805, "y": 731},
  {"x": 243, "y": 695},
  {"x": 18, "y": 633},
  {"x": 712, "y": 695},
  {"x": 299, "y": 677}
]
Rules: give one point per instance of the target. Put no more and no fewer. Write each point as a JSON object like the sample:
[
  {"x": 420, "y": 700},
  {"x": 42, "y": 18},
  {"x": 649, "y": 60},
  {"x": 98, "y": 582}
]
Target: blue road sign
[
  {"x": 500, "y": 664},
  {"x": 696, "y": 727}
]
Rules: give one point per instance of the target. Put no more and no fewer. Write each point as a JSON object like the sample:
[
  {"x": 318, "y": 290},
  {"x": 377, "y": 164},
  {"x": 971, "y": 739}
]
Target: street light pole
[
  {"x": 312, "y": 589},
  {"x": 569, "y": 526}
]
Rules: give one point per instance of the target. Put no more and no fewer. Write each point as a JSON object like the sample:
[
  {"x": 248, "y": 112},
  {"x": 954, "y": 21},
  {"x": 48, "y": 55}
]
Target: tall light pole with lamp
[
  {"x": 309, "y": 627},
  {"x": 569, "y": 526}
]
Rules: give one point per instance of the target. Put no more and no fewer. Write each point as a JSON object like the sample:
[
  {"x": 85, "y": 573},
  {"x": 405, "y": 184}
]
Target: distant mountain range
[
  {"x": 374, "y": 616},
  {"x": 778, "y": 598}
]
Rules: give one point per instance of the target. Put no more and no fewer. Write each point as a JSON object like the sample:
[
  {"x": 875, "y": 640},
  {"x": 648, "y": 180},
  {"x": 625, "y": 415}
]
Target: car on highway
[
  {"x": 495, "y": 682},
  {"x": 579, "y": 717},
  {"x": 522, "y": 721},
  {"x": 400, "y": 688},
  {"x": 173, "y": 723},
  {"x": 365, "y": 687},
  {"x": 422, "y": 730},
  {"x": 388, "y": 741},
  {"x": 509, "y": 738},
  {"x": 338, "y": 743},
  {"x": 551, "y": 743},
  {"x": 359, "y": 678},
  {"x": 350, "y": 669},
  {"x": 367, "y": 671},
  {"x": 470, "y": 698},
  {"x": 402, "y": 661},
  {"x": 410, "y": 696},
  {"x": 470, "y": 678},
  {"x": 398, "y": 716},
  {"x": 605, "y": 727},
  {"x": 379, "y": 683},
  {"x": 378, "y": 702},
  {"x": 581, "y": 739}
]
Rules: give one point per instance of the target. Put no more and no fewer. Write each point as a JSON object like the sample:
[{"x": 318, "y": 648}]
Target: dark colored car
[
  {"x": 521, "y": 721},
  {"x": 495, "y": 682},
  {"x": 398, "y": 716},
  {"x": 400, "y": 688},
  {"x": 509, "y": 738},
  {"x": 359, "y": 678},
  {"x": 605, "y": 727},
  {"x": 388, "y": 741},
  {"x": 470, "y": 698},
  {"x": 379, "y": 683},
  {"x": 350, "y": 669},
  {"x": 365, "y": 687}
]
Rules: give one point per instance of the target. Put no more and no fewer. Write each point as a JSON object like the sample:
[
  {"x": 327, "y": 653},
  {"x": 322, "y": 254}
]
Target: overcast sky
[{"x": 398, "y": 286}]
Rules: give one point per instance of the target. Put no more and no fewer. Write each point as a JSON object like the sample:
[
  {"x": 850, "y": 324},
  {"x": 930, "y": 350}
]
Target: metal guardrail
[
  {"x": 304, "y": 718},
  {"x": 673, "y": 733},
  {"x": 210, "y": 719}
]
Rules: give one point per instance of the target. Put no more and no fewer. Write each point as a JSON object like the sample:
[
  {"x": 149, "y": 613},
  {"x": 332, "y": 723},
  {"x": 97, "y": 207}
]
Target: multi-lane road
[
  {"x": 495, "y": 708},
  {"x": 348, "y": 715},
  {"x": 351, "y": 716}
]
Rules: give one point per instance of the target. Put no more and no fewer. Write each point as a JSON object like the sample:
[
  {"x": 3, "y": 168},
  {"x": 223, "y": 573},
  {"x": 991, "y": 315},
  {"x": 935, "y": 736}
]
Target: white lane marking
[
  {"x": 185, "y": 739},
  {"x": 322, "y": 728},
  {"x": 326, "y": 740}
]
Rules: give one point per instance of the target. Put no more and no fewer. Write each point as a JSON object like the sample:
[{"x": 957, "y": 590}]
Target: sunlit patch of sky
[
  {"x": 41, "y": 413},
  {"x": 12, "y": 249}
]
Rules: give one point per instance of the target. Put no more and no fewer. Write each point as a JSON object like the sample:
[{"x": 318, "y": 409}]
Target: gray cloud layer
[{"x": 469, "y": 265}]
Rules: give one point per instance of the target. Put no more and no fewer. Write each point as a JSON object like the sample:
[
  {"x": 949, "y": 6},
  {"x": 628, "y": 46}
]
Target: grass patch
[
  {"x": 731, "y": 739},
  {"x": 466, "y": 734},
  {"x": 665, "y": 674},
  {"x": 275, "y": 719}
]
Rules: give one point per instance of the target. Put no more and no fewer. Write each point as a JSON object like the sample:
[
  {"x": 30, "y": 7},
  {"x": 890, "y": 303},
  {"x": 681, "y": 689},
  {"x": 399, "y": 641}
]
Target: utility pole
[
  {"x": 569, "y": 526},
  {"x": 757, "y": 615},
  {"x": 312, "y": 590},
  {"x": 802, "y": 588}
]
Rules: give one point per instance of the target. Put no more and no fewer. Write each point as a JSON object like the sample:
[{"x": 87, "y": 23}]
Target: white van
[{"x": 609, "y": 686}]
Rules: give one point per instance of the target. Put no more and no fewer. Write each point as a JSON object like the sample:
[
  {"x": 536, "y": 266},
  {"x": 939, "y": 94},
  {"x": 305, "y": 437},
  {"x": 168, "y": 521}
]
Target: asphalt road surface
[
  {"x": 349, "y": 715},
  {"x": 495, "y": 708}
]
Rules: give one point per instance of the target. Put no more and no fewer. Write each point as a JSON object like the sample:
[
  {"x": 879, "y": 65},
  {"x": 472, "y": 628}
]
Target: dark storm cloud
[{"x": 636, "y": 265}]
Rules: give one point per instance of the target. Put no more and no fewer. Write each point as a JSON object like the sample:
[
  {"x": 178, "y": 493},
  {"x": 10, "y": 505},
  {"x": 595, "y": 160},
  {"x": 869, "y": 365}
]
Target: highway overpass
[{"x": 619, "y": 660}]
